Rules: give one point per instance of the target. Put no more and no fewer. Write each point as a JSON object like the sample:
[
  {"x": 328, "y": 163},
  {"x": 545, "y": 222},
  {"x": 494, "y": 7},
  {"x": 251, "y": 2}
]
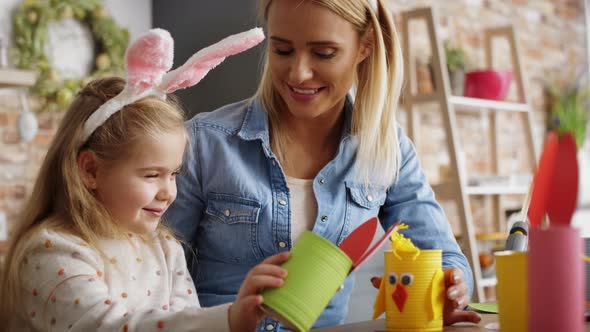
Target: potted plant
[{"x": 457, "y": 64}]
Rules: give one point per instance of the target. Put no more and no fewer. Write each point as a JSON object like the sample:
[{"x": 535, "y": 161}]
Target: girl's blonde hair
[
  {"x": 378, "y": 81},
  {"x": 59, "y": 199}
]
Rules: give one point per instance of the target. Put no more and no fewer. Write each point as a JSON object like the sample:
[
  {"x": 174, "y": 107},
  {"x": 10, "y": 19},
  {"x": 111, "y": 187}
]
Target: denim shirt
[{"x": 233, "y": 208}]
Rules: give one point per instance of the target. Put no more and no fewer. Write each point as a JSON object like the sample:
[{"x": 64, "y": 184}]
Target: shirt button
[
  {"x": 322, "y": 181},
  {"x": 283, "y": 202},
  {"x": 282, "y": 245},
  {"x": 270, "y": 327},
  {"x": 324, "y": 218},
  {"x": 227, "y": 212},
  {"x": 370, "y": 198},
  {"x": 274, "y": 164}
]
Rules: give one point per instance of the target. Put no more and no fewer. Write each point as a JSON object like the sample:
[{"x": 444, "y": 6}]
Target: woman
[{"x": 301, "y": 154}]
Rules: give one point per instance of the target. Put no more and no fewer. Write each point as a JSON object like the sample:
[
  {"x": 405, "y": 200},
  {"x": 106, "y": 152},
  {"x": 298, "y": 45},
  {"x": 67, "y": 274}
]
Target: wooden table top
[{"x": 379, "y": 325}]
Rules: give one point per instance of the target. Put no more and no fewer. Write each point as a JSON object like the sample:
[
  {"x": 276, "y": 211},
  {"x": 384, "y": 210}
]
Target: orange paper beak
[{"x": 400, "y": 296}]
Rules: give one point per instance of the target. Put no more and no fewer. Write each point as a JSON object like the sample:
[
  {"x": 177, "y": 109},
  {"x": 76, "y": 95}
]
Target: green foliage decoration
[
  {"x": 457, "y": 59},
  {"x": 569, "y": 111},
  {"x": 30, "y": 35}
]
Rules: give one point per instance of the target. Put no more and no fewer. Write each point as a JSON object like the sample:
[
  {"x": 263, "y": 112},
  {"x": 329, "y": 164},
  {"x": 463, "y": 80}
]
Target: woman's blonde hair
[
  {"x": 59, "y": 199},
  {"x": 378, "y": 80}
]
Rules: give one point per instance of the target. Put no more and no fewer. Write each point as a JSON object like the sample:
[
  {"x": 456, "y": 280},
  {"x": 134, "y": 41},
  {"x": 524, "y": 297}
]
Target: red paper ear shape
[
  {"x": 555, "y": 186},
  {"x": 357, "y": 242},
  {"x": 563, "y": 195},
  {"x": 356, "y": 245},
  {"x": 542, "y": 180},
  {"x": 148, "y": 59}
]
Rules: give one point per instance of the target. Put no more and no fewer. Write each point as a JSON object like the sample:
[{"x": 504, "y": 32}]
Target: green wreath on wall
[{"x": 30, "y": 36}]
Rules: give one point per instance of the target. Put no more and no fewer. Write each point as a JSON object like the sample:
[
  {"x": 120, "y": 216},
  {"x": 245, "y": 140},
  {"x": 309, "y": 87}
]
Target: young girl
[{"x": 90, "y": 252}]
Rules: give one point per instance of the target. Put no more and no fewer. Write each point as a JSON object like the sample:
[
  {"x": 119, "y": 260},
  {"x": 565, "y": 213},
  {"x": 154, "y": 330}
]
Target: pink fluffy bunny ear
[
  {"x": 208, "y": 58},
  {"x": 148, "y": 59}
]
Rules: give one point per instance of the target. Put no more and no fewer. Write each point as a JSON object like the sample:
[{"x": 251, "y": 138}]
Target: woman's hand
[
  {"x": 456, "y": 298},
  {"x": 244, "y": 314}
]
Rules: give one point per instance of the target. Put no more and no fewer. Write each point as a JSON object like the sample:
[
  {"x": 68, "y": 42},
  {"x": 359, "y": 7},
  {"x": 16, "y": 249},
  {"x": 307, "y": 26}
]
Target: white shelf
[
  {"x": 14, "y": 78},
  {"x": 496, "y": 190},
  {"x": 446, "y": 190},
  {"x": 470, "y": 104},
  {"x": 476, "y": 104},
  {"x": 487, "y": 282}
]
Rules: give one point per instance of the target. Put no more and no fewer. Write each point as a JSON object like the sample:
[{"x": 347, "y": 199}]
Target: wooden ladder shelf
[{"x": 457, "y": 188}]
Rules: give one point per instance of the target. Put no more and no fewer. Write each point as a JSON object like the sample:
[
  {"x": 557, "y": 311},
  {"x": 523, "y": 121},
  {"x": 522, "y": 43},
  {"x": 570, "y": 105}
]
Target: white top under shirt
[{"x": 304, "y": 207}]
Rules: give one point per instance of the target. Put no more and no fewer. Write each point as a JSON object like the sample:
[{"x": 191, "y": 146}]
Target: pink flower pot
[{"x": 487, "y": 84}]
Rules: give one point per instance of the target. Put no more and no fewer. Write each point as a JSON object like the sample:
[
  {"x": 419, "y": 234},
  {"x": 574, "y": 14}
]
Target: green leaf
[{"x": 569, "y": 112}]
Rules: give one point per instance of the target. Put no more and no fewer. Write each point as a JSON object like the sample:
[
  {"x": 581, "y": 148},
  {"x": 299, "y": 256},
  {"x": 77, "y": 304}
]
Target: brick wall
[
  {"x": 558, "y": 25},
  {"x": 551, "y": 37},
  {"x": 20, "y": 161}
]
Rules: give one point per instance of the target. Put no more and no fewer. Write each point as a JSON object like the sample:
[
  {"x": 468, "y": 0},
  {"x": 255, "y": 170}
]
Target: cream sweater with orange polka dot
[{"x": 134, "y": 285}]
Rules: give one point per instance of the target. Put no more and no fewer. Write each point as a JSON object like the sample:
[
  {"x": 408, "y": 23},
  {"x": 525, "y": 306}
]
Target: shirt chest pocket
[
  {"x": 362, "y": 203},
  {"x": 230, "y": 209},
  {"x": 370, "y": 197},
  {"x": 229, "y": 229}
]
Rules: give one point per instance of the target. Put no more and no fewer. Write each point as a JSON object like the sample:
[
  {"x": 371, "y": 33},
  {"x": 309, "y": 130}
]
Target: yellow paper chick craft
[{"x": 412, "y": 288}]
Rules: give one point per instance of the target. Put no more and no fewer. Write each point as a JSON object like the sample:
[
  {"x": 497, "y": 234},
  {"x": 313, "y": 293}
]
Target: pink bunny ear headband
[{"x": 148, "y": 61}]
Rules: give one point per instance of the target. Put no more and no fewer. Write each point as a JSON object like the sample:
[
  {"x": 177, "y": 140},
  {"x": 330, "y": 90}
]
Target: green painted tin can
[{"x": 316, "y": 268}]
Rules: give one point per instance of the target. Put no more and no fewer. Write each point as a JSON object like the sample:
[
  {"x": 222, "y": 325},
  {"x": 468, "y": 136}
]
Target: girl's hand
[
  {"x": 245, "y": 313},
  {"x": 456, "y": 298}
]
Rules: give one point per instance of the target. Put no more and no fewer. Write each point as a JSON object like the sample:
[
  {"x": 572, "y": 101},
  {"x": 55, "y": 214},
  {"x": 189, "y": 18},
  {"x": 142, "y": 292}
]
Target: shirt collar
[{"x": 255, "y": 124}]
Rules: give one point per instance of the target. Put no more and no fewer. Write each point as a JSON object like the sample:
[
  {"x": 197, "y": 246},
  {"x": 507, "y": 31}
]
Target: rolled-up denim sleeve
[
  {"x": 411, "y": 200},
  {"x": 184, "y": 214}
]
